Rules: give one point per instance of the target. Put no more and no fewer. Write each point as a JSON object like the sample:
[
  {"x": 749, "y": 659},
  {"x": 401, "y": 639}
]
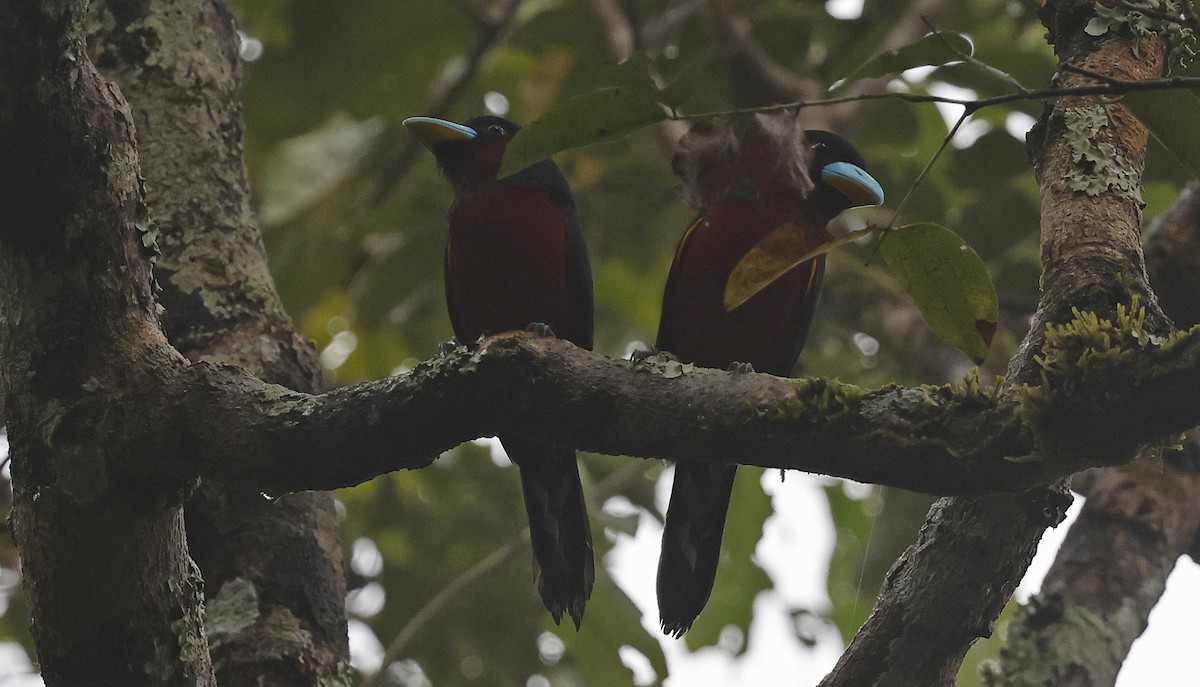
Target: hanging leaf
[
  {"x": 1171, "y": 115},
  {"x": 775, "y": 255},
  {"x": 601, "y": 115},
  {"x": 949, "y": 282},
  {"x": 932, "y": 50}
]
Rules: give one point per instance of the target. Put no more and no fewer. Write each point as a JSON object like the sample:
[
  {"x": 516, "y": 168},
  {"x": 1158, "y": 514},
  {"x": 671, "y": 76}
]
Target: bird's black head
[
  {"x": 464, "y": 152},
  {"x": 840, "y": 174}
]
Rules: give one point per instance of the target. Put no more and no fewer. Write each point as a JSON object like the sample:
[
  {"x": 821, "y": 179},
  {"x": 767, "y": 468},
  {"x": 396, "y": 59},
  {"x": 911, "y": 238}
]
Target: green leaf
[
  {"x": 600, "y": 115},
  {"x": 933, "y": 49},
  {"x": 1171, "y": 115},
  {"x": 632, "y": 74},
  {"x": 681, "y": 90},
  {"x": 949, "y": 282}
]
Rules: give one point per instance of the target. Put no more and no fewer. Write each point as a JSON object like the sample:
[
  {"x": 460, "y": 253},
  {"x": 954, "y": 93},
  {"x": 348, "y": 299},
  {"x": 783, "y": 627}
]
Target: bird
[
  {"x": 516, "y": 259},
  {"x": 775, "y": 178}
]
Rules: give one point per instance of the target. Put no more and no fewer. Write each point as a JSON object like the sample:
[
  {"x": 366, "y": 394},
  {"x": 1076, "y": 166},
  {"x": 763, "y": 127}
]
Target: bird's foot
[
  {"x": 740, "y": 368},
  {"x": 447, "y": 347},
  {"x": 541, "y": 329}
]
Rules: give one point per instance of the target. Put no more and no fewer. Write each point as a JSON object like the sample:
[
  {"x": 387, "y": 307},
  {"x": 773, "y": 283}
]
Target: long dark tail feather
[
  {"x": 691, "y": 544},
  {"x": 563, "y": 564}
]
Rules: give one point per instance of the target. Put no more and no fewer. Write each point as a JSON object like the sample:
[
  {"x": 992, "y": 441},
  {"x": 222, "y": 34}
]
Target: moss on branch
[{"x": 957, "y": 439}]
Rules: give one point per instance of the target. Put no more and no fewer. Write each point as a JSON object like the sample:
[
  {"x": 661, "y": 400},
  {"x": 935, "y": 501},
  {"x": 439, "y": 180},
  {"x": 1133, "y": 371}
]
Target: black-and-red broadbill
[
  {"x": 515, "y": 256},
  {"x": 769, "y": 181}
]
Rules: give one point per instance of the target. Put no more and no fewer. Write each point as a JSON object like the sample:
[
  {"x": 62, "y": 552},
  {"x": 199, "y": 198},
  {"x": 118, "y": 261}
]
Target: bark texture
[
  {"x": 177, "y": 64},
  {"x": 82, "y": 359},
  {"x": 1091, "y": 260},
  {"x": 1137, "y": 522},
  {"x": 1110, "y": 572},
  {"x": 921, "y": 438}
]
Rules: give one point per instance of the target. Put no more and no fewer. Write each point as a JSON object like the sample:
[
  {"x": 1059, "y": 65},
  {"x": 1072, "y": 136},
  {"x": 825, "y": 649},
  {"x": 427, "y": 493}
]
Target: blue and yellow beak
[
  {"x": 431, "y": 131},
  {"x": 854, "y": 183}
]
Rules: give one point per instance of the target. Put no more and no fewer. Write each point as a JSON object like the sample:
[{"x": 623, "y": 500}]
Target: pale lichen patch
[
  {"x": 1098, "y": 165},
  {"x": 232, "y": 610}
]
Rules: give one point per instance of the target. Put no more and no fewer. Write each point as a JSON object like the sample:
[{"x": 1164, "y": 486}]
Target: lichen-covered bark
[
  {"x": 113, "y": 594},
  {"x": 1088, "y": 158},
  {"x": 1138, "y": 520},
  {"x": 949, "y": 440},
  {"x": 177, "y": 64},
  {"x": 1109, "y": 573},
  {"x": 1088, "y": 154}
]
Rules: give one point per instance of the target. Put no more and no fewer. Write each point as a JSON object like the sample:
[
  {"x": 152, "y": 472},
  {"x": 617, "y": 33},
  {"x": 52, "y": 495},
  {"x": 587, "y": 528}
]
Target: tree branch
[
  {"x": 114, "y": 597},
  {"x": 910, "y": 25},
  {"x": 1138, "y": 520},
  {"x": 1091, "y": 259},
  {"x": 1173, "y": 257},
  {"x": 1111, "y": 570},
  {"x": 442, "y": 95},
  {"x": 149, "y": 422},
  {"x": 924, "y": 438},
  {"x": 221, "y": 305},
  {"x": 1112, "y": 86}
]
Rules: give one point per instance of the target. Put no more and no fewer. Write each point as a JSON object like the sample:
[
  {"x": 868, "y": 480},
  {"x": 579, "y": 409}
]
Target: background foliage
[{"x": 353, "y": 217}]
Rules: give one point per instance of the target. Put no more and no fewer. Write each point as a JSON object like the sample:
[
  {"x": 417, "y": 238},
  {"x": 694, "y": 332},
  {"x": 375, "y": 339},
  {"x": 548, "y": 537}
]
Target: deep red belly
[
  {"x": 506, "y": 262},
  {"x": 766, "y": 331}
]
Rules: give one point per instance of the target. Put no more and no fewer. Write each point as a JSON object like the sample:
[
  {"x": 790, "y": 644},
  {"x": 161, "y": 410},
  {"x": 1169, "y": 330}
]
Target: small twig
[
  {"x": 442, "y": 599},
  {"x": 1102, "y": 78},
  {"x": 920, "y": 177},
  {"x": 1115, "y": 87},
  {"x": 439, "y": 99},
  {"x": 907, "y": 27},
  {"x": 928, "y": 166},
  {"x": 971, "y": 59}
]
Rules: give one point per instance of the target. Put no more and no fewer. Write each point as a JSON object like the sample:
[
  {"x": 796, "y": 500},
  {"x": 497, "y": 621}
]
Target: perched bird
[
  {"x": 775, "y": 180},
  {"x": 515, "y": 256}
]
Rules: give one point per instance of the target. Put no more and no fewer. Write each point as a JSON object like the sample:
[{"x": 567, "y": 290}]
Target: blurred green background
[{"x": 353, "y": 215}]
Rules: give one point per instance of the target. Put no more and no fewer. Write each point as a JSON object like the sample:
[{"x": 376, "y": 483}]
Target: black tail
[
  {"x": 691, "y": 542},
  {"x": 563, "y": 565}
]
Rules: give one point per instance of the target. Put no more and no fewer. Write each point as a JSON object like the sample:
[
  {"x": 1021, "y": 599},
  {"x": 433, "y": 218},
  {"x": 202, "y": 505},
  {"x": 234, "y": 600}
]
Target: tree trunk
[{"x": 221, "y": 306}]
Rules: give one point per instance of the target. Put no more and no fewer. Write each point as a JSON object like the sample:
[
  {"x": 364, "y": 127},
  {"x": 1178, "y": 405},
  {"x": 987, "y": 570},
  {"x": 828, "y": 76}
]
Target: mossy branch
[{"x": 1108, "y": 388}]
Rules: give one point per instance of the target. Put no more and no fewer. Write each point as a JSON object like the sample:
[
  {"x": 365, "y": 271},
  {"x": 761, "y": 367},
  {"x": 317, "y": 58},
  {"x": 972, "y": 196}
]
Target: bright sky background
[{"x": 795, "y": 552}]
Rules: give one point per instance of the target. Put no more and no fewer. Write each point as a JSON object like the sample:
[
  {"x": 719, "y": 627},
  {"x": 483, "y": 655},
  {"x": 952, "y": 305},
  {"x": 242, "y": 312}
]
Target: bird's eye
[
  {"x": 496, "y": 129},
  {"x": 819, "y": 146}
]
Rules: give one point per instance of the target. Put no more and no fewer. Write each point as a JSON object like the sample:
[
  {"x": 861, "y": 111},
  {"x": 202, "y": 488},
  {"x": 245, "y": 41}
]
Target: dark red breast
[
  {"x": 769, "y": 330},
  {"x": 508, "y": 263}
]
